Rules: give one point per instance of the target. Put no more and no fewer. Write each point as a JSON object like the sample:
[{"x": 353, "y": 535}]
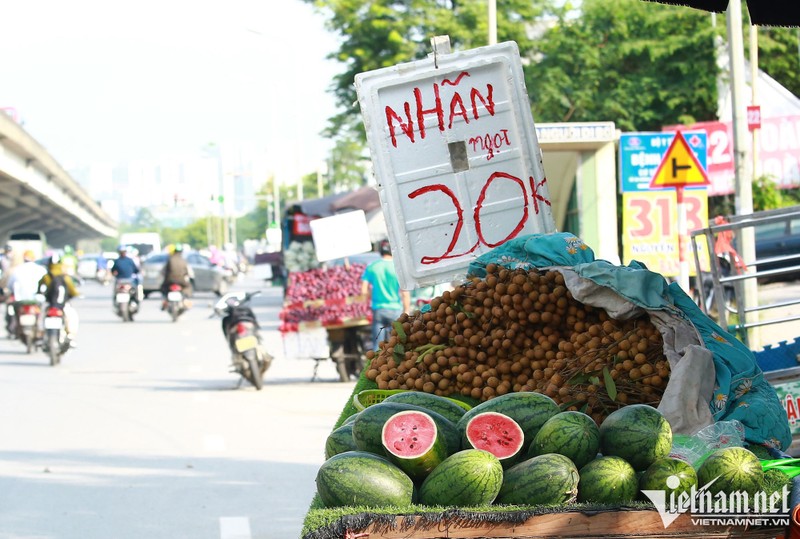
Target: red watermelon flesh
[
  {"x": 496, "y": 433},
  {"x": 411, "y": 440},
  {"x": 409, "y": 434}
]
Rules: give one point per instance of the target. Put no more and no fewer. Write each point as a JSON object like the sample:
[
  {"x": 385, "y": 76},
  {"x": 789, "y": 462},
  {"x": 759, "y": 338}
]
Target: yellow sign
[
  {"x": 650, "y": 232},
  {"x": 679, "y": 167}
]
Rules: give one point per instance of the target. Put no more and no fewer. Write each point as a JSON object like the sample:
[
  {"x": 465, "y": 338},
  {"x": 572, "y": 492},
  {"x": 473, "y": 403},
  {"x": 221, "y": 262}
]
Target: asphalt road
[{"x": 143, "y": 432}]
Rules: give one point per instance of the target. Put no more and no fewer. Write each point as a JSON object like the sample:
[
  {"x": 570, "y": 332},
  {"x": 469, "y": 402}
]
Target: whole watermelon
[
  {"x": 733, "y": 469},
  {"x": 670, "y": 475},
  {"x": 471, "y": 477},
  {"x": 361, "y": 478},
  {"x": 442, "y": 405},
  {"x": 608, "y": 480},
  {"x": 368, "y": 426},
  {"x": 340, "y": 440},
  {"x": 572, "y": 434},
  {"x": 529, "y": 409},
  {"x": 638, "y": 433},
  {"x": 550, "y": 479}
]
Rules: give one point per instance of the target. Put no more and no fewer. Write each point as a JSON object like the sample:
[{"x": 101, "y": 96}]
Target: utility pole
[
  {"x": 742, "y": 165},
  {"x": 492, "y": 21}
]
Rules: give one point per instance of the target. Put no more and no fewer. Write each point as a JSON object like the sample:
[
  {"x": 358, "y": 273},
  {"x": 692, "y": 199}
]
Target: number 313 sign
[{"x": 650, "y": 228}]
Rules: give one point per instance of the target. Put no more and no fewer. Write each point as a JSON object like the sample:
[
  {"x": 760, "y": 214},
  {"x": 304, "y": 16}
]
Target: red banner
[{"x": 778, "y": 152}]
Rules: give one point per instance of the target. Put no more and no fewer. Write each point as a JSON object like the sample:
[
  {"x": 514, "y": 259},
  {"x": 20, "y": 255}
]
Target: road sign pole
[{"x": 683, "y": 242}]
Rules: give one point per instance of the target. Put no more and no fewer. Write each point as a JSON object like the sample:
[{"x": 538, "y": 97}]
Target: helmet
[
  {"x": 55, "y": 259},
  {"x": 7, "y": 248},
  {"x": 122, "y": 248},
  {"x": 28, "y": 256},
  {"x": 178, "y": 248},
  {"x": 67, "y": 250}
]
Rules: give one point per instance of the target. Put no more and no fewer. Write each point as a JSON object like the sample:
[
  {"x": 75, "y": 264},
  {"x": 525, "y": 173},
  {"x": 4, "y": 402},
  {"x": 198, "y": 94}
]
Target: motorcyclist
[
  {"x": 176, "y": 271},
  {"x": 24, "y": 279},
  {"x": 23, "y": 283},
  {"x": 69, "y": 262},
  {"x": 126, "y": 268},
  {"x": 6, "y": 263},
  {"x": 58, "y": 288}
]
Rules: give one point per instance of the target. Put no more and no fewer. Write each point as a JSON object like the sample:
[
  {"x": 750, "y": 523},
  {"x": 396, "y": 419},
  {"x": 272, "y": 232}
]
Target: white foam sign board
[
  {"x": 455, "y": 155},
  {"x": 340, "y": 235}
]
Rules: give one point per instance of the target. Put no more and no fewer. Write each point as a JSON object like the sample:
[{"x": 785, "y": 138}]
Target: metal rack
[{"x": 737, "y": 223}]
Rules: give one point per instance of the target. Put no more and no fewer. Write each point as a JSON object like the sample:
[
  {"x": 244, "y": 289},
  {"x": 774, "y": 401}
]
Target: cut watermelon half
[
  {"x": 496, "y": 433},
  {"x": 412, "y": 441}
]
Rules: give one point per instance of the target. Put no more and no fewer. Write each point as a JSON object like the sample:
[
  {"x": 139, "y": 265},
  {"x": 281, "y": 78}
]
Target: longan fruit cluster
[{"x": 521, "y": 330}]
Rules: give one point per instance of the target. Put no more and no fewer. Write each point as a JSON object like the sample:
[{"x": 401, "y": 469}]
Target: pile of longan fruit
[{"x": 521, "y": 330}]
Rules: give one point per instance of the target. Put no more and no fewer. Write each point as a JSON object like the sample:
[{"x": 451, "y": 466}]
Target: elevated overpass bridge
[{"x": 37, "y": 194}]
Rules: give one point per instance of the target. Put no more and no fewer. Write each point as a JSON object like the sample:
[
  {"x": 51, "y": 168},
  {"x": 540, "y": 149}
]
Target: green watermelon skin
[
  {"x": 735, "y": 469},
  {"x": 357, "y": 478},
  {"x": 609, "y": 480},
  {"x": 350, "y": 419},
  {"x": 549, "y": 479},
  {"x": 429, "y": 401},
  {"x": 368, "y": 426},
  {"x": 638, "y": 433},
  {"x": 572, "y": 434},
  {"x": 339, "y": 441},
  {"x": 657, "y": 476},
  {"x": 468, "y": 478},
  {"x": 529, "y": 409}
]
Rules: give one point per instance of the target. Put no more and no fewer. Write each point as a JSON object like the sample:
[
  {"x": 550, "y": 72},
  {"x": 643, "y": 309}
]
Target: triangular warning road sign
[{"x": 679, "y": 167}]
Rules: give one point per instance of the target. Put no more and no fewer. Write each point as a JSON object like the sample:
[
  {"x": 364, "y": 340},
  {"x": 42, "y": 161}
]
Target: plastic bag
[{"x": 697, "y": 447}]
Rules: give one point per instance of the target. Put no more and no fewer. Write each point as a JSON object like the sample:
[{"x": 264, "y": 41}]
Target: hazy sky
[{"x": 108, "y": 81}]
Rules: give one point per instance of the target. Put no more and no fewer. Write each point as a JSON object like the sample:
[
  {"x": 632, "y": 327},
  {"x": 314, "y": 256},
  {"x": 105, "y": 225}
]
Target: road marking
[
  {"x": 214, "y": 444},
  {"x": 234, "y": 528}
]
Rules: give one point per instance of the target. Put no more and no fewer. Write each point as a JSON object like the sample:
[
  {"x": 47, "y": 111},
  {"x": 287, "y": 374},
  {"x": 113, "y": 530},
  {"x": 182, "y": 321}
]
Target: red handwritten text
[
  {"x": 534, "y": 200},
  {"x": 453, "y": 104},
  {"x": 490, "y": 143}
]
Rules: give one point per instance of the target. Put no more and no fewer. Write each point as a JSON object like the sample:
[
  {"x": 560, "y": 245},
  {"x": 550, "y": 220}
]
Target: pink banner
[{"x": 778, "y": 152}]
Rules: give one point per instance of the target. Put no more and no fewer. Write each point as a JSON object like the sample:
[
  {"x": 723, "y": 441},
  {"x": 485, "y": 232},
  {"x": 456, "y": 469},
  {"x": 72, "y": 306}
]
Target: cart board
[
  {"x": 627, "y": 523},
  {"x": 455, "y": 154},
  {"x": 340, "y": 235}
]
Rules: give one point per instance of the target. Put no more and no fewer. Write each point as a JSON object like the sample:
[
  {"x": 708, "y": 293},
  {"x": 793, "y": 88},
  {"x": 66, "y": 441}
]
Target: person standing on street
[{"x": 387, "y": 300}]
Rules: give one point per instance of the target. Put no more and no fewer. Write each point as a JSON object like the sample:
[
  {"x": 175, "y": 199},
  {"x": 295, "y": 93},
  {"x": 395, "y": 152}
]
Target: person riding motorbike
[
  {"x": 58, "y": 288},
  {"x": 126, "y": 268},
  {"x": 177, "y": 271},
  {"x": 24, "y": 279},
  {"x": 23, "y": 285}
]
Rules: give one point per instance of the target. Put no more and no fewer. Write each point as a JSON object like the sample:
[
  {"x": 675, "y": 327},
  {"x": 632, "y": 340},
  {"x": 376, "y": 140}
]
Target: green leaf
[
  {"x": 401, "y": 334},
  {"x": 595, "y": 380},
  {"x": 399, "y": 352},
  {"x": 611, "y": 387}
]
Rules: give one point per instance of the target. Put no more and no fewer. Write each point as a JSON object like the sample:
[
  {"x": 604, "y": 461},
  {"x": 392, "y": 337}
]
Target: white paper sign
[
  {"x": 454, "y": 149},
  {"x": 340, "y": 235}
]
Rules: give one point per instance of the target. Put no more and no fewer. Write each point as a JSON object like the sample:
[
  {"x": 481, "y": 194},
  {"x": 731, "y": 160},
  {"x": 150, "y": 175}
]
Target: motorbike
[
  {"x": 126, "y": 302},
  {"x": 10, "y": 315},
  {"x": 176, "y": 304},
  {"x": 56, "y": 341},
  {"x": 28, "y": 315},
  {"x": 240, "y": 327}
]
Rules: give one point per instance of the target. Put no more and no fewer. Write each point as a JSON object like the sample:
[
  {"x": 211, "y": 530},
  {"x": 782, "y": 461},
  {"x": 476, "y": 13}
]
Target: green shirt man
[{"x": 387, "y": 300}]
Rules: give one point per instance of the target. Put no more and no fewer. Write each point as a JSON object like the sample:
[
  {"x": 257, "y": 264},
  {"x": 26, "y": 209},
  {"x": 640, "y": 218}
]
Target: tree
[
  {"x": 381, "y": 33},
  {"x": 640, "y": 64},
  {"x": 779, "y": 55}
]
